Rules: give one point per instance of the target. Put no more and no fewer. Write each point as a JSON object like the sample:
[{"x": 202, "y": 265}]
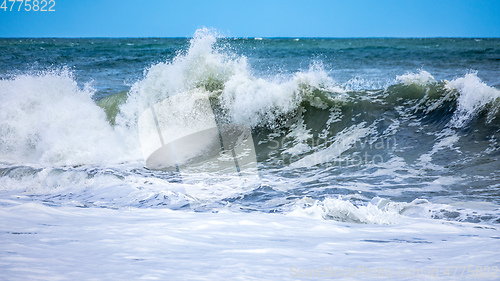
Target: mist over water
[{"x": 365, "y": 138}]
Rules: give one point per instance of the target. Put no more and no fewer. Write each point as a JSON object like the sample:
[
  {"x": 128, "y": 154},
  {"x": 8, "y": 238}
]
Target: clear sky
[{"x": 257, "y": 18}]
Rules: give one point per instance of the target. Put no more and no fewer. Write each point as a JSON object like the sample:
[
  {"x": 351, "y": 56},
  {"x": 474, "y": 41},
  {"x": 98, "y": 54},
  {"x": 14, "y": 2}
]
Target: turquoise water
[
  {"x": 371, "y": 142},
  {"x": 114, "y": 64}
]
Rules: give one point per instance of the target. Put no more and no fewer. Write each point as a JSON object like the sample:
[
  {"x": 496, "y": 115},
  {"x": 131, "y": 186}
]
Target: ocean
[{"x": 215, "y": 158}]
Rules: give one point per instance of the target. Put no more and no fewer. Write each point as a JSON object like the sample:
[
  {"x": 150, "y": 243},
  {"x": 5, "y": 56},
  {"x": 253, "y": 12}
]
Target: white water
[
  {"x": 77, "y": 204},
  {"x": 47, "y": 119},
  {"x": 474, "y": 97},
  {"x": 249, "y": 100},
  {"x": 44, "y": 243}
]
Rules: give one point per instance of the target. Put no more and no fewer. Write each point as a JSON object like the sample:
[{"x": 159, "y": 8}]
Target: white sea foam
[
  {"x": 253, "y": 101},
  {"x": 445, "y": 140},
  {"x": 342, "y": 141},
  {"x": 131, "y": 225},
  {"x": 421, "y": 78},
  {"x": 248, "y": 99},
  {"x": 474, "y": 96},
  {"x": 45, "y": 118},
  {"x": 202, "y": 64},
  {"x": 342, "y": 210},
  {"x": 386, "y": 212},
  {"x": 160, "y": 244}
]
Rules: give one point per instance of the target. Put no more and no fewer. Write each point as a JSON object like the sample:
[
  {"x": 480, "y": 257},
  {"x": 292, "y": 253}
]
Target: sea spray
[
  {"x": 372, "y": 174},
  {"x": 244, "y": 97},
  {"x": 45, "y": 118}
]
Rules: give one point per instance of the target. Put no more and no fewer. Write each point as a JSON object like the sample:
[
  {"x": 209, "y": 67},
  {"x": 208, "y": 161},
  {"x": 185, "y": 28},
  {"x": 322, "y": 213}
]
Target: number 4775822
[{"x": 29, "y": 5}]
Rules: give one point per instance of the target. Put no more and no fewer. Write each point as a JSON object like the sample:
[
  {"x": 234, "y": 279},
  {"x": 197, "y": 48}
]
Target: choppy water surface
[{"x": 373, "y": 154}]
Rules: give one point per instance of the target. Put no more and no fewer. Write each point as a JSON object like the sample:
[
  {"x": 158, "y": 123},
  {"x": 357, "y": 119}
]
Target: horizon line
[{"x": 251, "y": 37}]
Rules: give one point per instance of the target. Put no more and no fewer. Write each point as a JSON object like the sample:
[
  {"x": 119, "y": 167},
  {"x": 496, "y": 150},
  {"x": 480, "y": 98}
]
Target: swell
[
  {"x": 413, "y": 140},
  {"x": 48, "y": 119},
  {"x": 312, "y": 115},
  {"x": 307, "y": 115}
]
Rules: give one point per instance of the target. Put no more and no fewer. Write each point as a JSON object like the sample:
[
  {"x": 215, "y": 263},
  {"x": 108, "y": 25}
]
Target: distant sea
[{"x": 368, "y": 158}]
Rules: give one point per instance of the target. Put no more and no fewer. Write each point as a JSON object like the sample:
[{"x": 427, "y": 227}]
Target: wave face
[
  {"x": 364, "y": 148},
  {"x": 317, "y": 134},
  {"x": 414, "y": 129}
]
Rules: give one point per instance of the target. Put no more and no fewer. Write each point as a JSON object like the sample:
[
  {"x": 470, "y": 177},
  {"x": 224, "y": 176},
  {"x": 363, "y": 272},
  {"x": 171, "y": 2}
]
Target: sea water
[{"x": 375, "y": 159}]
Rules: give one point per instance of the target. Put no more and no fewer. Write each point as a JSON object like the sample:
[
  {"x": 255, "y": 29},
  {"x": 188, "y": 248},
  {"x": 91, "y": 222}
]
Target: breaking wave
[
  {"x": 46, "y": 118},
  {"x": 416, "y": 132}
]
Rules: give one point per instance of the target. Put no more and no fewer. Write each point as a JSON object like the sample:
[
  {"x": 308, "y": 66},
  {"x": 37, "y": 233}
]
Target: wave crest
[{"x": 46, "y": 118}]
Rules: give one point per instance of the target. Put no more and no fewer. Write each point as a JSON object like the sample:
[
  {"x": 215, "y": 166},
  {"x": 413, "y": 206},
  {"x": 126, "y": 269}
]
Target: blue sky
[{"x": 269, "y": 18}]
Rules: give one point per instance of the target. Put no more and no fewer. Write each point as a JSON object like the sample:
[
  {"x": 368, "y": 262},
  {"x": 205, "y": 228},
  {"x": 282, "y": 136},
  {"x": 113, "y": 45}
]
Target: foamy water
[{"x": 355, "y": 176}]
